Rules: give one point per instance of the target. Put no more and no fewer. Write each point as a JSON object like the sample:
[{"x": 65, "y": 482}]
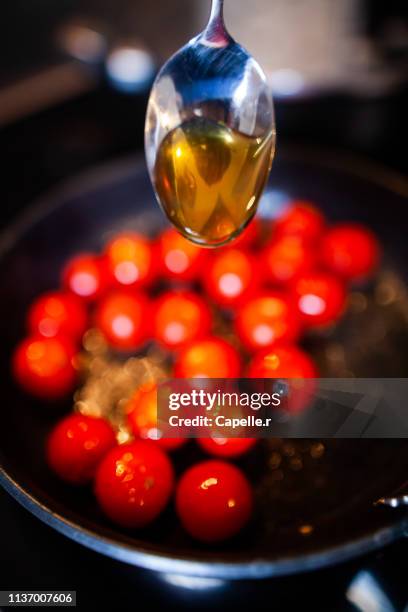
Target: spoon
[{"x": 210, "y": 136}]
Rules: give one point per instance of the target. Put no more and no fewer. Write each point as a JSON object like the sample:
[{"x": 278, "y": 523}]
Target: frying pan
[{"x": 325, "y": 512}]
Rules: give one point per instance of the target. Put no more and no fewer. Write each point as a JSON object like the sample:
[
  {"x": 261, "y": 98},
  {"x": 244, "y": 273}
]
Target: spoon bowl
[{"x": 210, "y": 136}]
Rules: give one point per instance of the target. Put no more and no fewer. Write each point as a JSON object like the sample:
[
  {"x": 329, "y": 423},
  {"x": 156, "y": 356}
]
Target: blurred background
[
  {"x": 74, "y": 82},
  {"x": 75, "y": 75}
]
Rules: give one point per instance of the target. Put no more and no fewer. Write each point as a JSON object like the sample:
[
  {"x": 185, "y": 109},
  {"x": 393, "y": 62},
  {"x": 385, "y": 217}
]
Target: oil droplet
[
  {"x": 209, "y": 483},
  {"x": 289, "y": 450},
  {"x": 296, "y": 464},
  {"x": 275, "y": 460},
  {"x": 317, "y": 450},
  {"x": 306, "y": 530}
]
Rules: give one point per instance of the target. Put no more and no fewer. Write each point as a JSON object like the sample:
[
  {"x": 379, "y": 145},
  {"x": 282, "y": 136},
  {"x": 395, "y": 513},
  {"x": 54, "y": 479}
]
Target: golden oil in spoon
[{"x": 209, "y": 178}]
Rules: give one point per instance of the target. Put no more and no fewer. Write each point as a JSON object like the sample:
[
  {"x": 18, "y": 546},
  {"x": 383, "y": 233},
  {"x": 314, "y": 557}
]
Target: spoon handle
[{"x": 216, "y": 33}]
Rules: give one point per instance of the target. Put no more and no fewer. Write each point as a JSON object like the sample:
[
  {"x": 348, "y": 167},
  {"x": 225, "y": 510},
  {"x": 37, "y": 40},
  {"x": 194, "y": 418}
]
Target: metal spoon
[{"x": 211, "y": 110}]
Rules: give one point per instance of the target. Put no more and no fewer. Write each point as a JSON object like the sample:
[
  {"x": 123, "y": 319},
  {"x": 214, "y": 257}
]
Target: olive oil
[{"x": 209, "y": 178}]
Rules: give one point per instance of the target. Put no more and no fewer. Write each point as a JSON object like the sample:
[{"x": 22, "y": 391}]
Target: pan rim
[{"x": 161, "y": 562}]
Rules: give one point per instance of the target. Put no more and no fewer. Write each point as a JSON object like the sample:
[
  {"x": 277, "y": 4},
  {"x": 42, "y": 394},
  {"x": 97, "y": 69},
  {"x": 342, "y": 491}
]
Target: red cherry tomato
[
  {"x": 320, "y": 298},
  {"x": 86, "y": 276},
  {"x": 76, "y": 446},
  {"x": 123, "y": 319},
  {"x": 57, "y": 313},
  {"x": 209, "y": 358},
  {"x": 133, "y": 483},
  {"x": 351, "y": 251},
  {"x": 267, "y": 318},
  {"x": 285, "y": 258},
  {"x": 142, "y": 419},
  {"x": 284, "y": 361},
  {"x": 130, "y": 260},
  {"x": 230, "y": 277},
  {"x": 180, "y": 317},
  {"x": 214, "y": 500},
  {"x": 44, "y": 366},
  {"x": 178, "y": 257},
  {"x": 250, "y": 236},
  {"x": 301, "y": 219},
  {"x": 226, "y": 447},
  {"x": 288, "y": 362}
]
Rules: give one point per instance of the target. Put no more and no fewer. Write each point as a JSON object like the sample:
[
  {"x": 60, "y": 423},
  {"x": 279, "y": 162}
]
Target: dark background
[
  {"x": 33, "y": 556},
  {"x": 41, "y": 148},
  {"x": 56, "y": 140}
]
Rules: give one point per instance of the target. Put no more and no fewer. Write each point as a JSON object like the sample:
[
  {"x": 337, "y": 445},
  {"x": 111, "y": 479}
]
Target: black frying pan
[{"x": 321, "y": 514}]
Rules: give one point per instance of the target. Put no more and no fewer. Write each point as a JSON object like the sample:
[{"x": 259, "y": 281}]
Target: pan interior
[{"x": 311, "y": 494}]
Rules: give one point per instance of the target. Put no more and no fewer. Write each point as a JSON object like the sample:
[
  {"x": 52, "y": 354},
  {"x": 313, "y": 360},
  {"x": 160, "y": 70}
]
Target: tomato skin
[
  {"x": 208, "y": 358},
  {"x": 214, "y": 500},
  {"x": 286, "y": 258},
  {"x": 123, "y": 318},
  {"x": 302, "y": 219},
  {"x": 170, "y": 444},
  {"x": 231, "y": 277},
  {"x": 142, "y": 419},
  {"x": 320, "y": 299},
  {"x": 76, "y": 446},
  {"x": 179, "y": 318},
  {"x": 57, "y": 312},
  {"x": 289, "y": 362},
  {"x": 133, "y": 483},
  {"x": 267, "y": 318},
  {"x": 44, "y": 367},
  {"x": 226, "y": 447},
  {"x": 178, "y": 258},
  {"x": 283, "y": 361},
  {"x": 130, "y": 260},
  {"x": 249, "y": 237},
  {"x": 86, "y": 276},
  {"x": 351, "y": 251}
]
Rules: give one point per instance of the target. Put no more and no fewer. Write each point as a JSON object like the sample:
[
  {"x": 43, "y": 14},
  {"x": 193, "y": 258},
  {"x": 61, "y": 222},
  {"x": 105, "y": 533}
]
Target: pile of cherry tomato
[{"x": 275, "y": 283}]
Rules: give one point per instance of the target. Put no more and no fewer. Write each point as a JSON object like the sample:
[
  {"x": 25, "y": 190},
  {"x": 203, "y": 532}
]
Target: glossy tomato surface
[
  {"x": 76, "y": 446},
  {"x": 214, "y": 500},
  {"x": 133, "y": 483}
]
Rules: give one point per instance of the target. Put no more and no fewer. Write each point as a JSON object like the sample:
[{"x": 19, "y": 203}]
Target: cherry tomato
[
  {"x": 209, "y": 358},
  {"x": 230, "y": 277},
  {"x": 301, "y": 219},
  {"x": 130, "y": 260},
  {"x": 288, "y": 362},
  {"x": 76, "y": 446},
  {"x": 133, "y": 483},
  {"x": 178, "y": 257},
  {"x": 180, "y": 317},
  {"x": 250, "y": 236},
  {"x": 86, "y": 276},
  {"x": 320, "y": 298},
  {"x": 284, "y": 361},
  {"x": 226, "y": 447},
  {"x": 267, "y": 318},
  {"x": 142, "y": 419},
  {"x": 44, "y": 366},
  {"x": 214, "y": 500},
  {"x": 56, "y": 313},
  {"x": 351, "y": 251},
  {"x": 285, "y": 258},
  {"x": 123, "y": 319}
]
